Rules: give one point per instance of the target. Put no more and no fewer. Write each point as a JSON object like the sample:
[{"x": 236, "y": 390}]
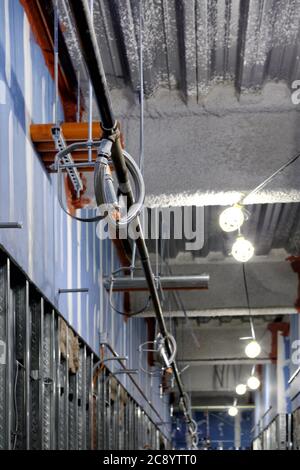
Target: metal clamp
[
  {"x": 68, "y": 164},
  {"x": 60, "y": 145}
]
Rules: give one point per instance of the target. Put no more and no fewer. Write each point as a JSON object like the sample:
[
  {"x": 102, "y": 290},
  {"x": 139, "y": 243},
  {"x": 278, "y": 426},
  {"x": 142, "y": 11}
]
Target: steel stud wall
[
  {"x": 276, "y": 436},
  {"x": 42, "y": 404}
]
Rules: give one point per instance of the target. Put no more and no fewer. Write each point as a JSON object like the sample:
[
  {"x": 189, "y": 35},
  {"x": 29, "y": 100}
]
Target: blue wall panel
[
  {"x": 216, "y": 430},
  {"x": 52, "y": 249}
]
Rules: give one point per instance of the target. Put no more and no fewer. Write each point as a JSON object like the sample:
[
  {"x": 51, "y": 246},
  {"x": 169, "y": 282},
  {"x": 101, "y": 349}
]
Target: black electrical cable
[
  {"x": 248, "y": 301},
  {"x": 267, "y": 180},
  {"x": 246, "y": 288}
]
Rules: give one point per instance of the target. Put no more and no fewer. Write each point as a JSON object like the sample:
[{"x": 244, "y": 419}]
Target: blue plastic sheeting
[
  {"x": 52, "y": 249},
  {"x": 216, "y": 430}
]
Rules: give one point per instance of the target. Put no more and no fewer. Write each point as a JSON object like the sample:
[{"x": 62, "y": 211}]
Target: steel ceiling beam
[{"x": 227, "y": 312}]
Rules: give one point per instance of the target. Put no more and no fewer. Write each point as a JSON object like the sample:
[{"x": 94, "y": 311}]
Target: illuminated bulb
[
  {"x": 233, "y": 411},
  {"x": 241, "y": 389},
  {"x": 253, "y": 382},
  {"x": 242, "y": 249},
  {"x": 253, "y": 349},
  {"x": 232, "y": 218}
]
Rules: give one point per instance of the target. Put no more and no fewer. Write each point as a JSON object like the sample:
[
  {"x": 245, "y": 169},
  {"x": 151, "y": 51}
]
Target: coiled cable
[{"x": 105, "y": 192}]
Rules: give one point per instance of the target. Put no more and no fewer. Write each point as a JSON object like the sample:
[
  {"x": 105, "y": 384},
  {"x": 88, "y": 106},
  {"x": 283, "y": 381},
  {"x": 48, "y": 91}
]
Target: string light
[
  {"x": 253, "y": 382},
  {"x": 232, "y": 218},
  {"x": 241, "y": 389},
  {"x": 242, "y": 249},
  {"x": 253, "y": 349},
  {"x": 233, "y": 410}
]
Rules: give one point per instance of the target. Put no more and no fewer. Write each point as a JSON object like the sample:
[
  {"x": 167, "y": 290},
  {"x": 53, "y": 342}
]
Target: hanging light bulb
[
  {"x": 242, "y": 249},
  {"x": 253, "y": 349},
  {"x": 241, "y": 389},
  {"x": 253, "y": 382},
  {"x": 232, "y": 218},
  {"x": 233, "y": 411}
]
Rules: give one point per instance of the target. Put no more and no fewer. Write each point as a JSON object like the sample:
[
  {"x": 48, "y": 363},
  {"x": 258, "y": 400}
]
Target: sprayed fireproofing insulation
[{"x": 192, "y": 44}]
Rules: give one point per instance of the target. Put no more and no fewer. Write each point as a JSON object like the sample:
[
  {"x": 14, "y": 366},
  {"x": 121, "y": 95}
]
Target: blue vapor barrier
[
  {"x": 53, "y": 250},
  {"x": 216, "y": 430}
]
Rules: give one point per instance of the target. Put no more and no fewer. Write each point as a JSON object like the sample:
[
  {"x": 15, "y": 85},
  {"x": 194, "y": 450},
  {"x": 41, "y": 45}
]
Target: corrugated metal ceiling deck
[
  {"x": 190, "y": 44},
  {"x": 270, "y": 226}
]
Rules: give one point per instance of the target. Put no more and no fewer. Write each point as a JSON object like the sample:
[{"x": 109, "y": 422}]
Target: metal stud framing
[{"x": 42, "y": 404}]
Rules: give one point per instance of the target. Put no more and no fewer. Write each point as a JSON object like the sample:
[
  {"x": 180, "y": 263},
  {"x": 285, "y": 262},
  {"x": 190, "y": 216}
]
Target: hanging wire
[
  {"x": 180, "y": 305},
  {"x": 141, "y": 51},
  {"x": 78, "y": 97},
  {"x": 248, "y": 302},
  {"x": 267, "y": 180},
  {"x": 90, "y": 118},
  {"x": 126, "y": 314},
  {"x": 120, "y": 312},
  {"x": 56, "y": 63},
  {"x": 141, "y": 97}
]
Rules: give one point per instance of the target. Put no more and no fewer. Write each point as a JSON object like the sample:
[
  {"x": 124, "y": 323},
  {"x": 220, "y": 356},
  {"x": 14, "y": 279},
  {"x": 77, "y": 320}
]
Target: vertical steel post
[
  {"x": 98, "y": 408},
  {"x": 73, "y": 412},
  {"x": 36, "y": 305},
  {"x": 60, "y": 382},
  {"x": 47, "y": 380},
  {"x": 19, "y": 397},
  {"x": 53, "y": 376},
  {"x": 27, "y": 367},
  {"x": 91, "y": 404},
  {"x": 10, "y": 328},
  {"x": 109, "y": 415},
  {"x": 41, "y": 375},
  {"x": 104, "y": 408},
  {"x": 83, "y": 399},
  {"x": 66, "y": 396},
  {"x": 125, "y": 444},
  {"x": 119, "y": 428},
  {"x": 5, "y": 355}
]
